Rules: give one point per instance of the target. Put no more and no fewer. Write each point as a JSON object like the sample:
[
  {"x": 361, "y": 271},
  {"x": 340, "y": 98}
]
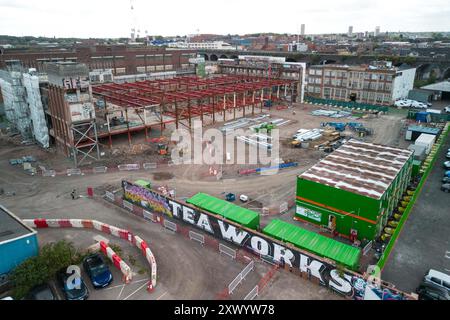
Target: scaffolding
[{"x": 16, "y": 107}]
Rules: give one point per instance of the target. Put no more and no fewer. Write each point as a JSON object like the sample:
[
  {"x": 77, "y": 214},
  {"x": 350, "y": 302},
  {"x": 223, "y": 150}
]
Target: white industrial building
[{"x": 213, "y": 45}]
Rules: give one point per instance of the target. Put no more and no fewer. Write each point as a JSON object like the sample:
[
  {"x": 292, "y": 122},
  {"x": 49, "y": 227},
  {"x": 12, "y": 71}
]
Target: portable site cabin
[
  {"x": 427, "y": 141},
  {"x": 413, "y": 132},
  {"x": 313, "y": 242},
  {"x": 232, "y": 212},
  {"x": 143, "y": 183},
  {"x": 17, "y": 242},
  {"x": 354, "y": 189}
]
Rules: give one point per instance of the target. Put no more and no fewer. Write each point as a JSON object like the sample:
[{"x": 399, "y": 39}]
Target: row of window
[
  {"x": 352, "y": 74},
  {"x": 378, "y": 86},
  {"x": 143, "y": 69},
  {"x": 334, "y": 93}
]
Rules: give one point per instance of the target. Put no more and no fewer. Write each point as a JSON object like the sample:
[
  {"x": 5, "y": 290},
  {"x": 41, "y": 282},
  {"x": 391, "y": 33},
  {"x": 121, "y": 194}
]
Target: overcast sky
[{"x": 113, "y": 18}]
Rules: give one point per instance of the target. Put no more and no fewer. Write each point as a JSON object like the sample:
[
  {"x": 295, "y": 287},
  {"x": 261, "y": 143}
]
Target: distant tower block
[
  {"x": 350, "y": 31},
  {"x": 302, "y": 32},
  {"x": 377, "y": 31}
]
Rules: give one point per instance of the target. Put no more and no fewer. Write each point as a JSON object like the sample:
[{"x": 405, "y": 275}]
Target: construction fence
[{"x": 346, "y": 105}]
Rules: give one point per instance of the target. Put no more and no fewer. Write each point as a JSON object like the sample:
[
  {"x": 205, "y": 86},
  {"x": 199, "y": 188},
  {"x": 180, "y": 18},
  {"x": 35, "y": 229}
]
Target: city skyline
[{"x": 93, "y": 19}]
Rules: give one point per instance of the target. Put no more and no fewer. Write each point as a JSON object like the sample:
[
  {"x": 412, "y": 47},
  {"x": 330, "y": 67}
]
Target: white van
[{"x": 438, "y": 278}]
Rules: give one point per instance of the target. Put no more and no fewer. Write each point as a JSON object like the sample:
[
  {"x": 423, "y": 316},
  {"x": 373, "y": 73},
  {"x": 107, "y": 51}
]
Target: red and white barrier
[
  {"x": 142, "y": 245},
  {"x": 105, "y": 228},
  {"x": 117, "y": 261}
]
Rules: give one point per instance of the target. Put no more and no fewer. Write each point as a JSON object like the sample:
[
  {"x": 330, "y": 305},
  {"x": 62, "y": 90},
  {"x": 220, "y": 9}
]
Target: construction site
[{"x": 116, "y": 139}]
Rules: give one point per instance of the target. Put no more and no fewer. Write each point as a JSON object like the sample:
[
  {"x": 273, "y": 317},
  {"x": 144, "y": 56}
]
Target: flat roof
[
  {"x": 359, "y": 167},
  {"x": 11, "y": 227},
  {"x": 434, "y": 131}
]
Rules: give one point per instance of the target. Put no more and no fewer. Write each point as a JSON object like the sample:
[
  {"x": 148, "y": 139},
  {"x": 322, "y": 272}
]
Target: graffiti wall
[{"x": 348, "y": 284}]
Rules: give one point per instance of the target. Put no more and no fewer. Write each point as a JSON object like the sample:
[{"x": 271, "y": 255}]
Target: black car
[
  {"x": 41, "y": 292},
  {"x": 74, "y": 289},
  {"x": 428, "y": 291},
  {"x": 98, "y": 271},
  {"x": 446, "y": 180},
  {"x": 446, "y": 187}
]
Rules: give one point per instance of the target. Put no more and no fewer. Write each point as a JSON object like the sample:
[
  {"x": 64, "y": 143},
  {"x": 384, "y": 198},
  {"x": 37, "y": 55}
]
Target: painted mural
[
  {"x": 145, "y": 198},
  {"x": 348, "y": 284}
]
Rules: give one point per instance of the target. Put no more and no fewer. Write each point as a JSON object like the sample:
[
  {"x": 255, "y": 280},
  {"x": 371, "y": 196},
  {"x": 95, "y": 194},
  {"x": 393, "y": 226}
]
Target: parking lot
[{"x": 425, "y": 239}]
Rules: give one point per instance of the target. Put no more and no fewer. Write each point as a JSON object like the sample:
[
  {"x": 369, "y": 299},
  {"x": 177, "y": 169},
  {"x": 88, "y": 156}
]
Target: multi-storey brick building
[
  {"x": 380, "y": 85},
  {"x": 123, "y": 60}
]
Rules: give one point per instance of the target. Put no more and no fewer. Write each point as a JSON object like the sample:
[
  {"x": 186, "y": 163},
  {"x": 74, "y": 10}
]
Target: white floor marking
[
  {"x": 162, "y": 295},
  {"x": 145, "y": 284}
]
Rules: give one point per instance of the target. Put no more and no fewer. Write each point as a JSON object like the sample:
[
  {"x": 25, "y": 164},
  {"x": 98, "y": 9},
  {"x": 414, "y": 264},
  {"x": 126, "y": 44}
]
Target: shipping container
[
  {"x": 232, "y": 212},
  {"x": 313, "y": 242}
]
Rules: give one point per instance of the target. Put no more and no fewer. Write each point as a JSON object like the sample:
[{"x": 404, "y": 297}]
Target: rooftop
[
  {"x": 440, "y": 86},
  {"x": 359, "y": 167},
  {"x": 11, "y": 227}
]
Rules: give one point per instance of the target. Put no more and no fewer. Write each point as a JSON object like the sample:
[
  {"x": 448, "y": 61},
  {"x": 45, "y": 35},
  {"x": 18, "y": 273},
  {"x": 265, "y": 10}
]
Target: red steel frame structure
[{"x": 180, "y": 99}]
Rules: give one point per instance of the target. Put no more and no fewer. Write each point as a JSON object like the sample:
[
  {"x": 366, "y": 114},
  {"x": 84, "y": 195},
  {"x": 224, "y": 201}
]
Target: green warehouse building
[{"x": 354, "y": 190}]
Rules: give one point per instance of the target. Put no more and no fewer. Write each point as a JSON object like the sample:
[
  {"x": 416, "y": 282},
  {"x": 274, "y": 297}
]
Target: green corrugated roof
[
  {"x": 314, "y": 242},
  {"x": 226, "y": 209}
]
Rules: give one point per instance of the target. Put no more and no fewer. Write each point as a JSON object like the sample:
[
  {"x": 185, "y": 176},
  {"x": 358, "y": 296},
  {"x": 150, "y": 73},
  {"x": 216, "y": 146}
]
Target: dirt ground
[{"x": 189, "y": 271}]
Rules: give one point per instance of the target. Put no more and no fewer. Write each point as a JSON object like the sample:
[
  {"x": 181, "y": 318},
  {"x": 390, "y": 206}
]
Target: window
[
  {"x": 319, "y": 72},
  {"x": 312, "y": 71},
  {"x": 140, "y": 69},
  {"x": 389, "y": 78},
  {"x": 446, "y": 284},
  {"x": 150, "y": 68},
  {"x": 436, "y": 280},
  {"x": 380, "y": 86},
  {"x": 317, "y": 89},
  {"x": 120, "y": 70}
]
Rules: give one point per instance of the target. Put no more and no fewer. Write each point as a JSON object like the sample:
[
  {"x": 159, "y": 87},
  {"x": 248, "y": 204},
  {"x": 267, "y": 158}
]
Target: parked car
[
  {"x": 438, "y": 278},
  {"x": 428, "y": 291},
  {"x": 402, "y": 104},
  {"x": 41, "y": 292},
  {"x": 447, "y": 173},
  {"x": 243, "y": 198},
  {"x": 447, "y": 164},
  {"x": 98, "y": 271},
  {"x": 448, "y": 155},
  {"x": 445, "y": 187},
  {"x": 446, "y": 180},
  {"x": 7, "y": 298},
  {"x": 447, "y": 109},
  {"x": 419, "y": 105},
  {"x": 76, "y": 290}
]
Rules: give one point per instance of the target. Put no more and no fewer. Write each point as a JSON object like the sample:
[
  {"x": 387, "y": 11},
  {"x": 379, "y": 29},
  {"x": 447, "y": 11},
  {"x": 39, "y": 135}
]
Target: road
[{"x": 424, "y": 242}]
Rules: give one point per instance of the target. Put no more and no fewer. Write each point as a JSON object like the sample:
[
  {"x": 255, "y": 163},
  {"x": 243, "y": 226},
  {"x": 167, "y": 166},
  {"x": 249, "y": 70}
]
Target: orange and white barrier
[
  {"x": 105, "y": 228},
  {"x": 117, "y": 261}
]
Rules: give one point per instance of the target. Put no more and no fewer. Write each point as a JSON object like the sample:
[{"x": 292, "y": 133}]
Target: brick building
[
  {"x": 121, "y": 59},
  {"x": 380, "y": 85}
]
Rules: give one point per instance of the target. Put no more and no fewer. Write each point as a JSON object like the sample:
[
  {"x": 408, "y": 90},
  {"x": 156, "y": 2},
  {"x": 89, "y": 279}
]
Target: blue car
[
  {"x": 447, "y": 173},
  {"x": 74, "y": 289},
  {"x": 98, "y": 271}
]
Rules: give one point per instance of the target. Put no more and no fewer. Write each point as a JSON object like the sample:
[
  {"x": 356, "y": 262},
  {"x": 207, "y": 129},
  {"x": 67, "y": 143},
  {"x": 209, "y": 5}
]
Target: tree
[{"x": 41, "y": 269}]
